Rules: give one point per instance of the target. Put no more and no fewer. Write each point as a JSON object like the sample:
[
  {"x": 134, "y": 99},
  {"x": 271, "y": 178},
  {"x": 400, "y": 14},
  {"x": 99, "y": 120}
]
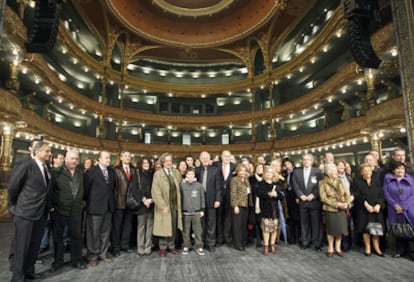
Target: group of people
[{"x": 205, "y": 204}]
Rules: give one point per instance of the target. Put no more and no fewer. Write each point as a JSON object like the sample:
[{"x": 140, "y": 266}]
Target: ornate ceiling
[{"x": 261, "y": 73}]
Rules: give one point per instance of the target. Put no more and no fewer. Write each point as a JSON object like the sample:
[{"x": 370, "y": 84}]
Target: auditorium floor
[{"x": 289, "y": 264}]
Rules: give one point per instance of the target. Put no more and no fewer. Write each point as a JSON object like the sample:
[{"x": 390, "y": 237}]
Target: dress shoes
[
  {"x": 240, "y": 248},
  {"x": 174, "y": 251},
  {"x": 127, "y": 250},
  {"x": 265, "y": 250},
  {"x": 106, "y": 259},
  {"x": 303, "y": 247},
  {"x": 340, "y": 254},
  {"x": 56, "y": 265},
  {"x": 330, "y": 254},
  {"x": 367, "y": 254},
  {"x": 211, "y": 249},
  {"x": 163, "y": 253},
  {"x": 380, "y": 254},
  {"x": 318, "y": 249},
  {"x": 396, "y": 255},
  {"x": 35, "y": 276},
  {"x": 93, "y": 262},
  {"x": 116, "y": 253},
  {"x": 79, "y": 265}
]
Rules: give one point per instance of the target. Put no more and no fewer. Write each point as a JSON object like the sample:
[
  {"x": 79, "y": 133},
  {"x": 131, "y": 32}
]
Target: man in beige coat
[{"x": 167, "y": 199}]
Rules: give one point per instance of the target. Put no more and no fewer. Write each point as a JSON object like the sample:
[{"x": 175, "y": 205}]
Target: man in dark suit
[
  {"x": 226, "y": 168},
  {"x": 99, "y": 195},
  {"x": 209, "y": 177},
  {"x": 28, "y": 197},
  {"x": 126, "y": 177},
  {"x": 305, "y": 182}
]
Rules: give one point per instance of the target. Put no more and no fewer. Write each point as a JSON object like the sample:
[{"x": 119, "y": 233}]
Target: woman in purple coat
[{"x": 399, "y": 194}]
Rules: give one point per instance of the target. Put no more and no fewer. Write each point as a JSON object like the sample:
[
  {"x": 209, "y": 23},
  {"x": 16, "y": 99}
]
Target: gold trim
[{"x": 199, "y": 12}]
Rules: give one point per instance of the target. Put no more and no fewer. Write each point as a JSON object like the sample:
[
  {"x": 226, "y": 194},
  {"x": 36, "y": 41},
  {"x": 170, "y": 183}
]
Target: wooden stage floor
[{"x": 226, "y": 264}]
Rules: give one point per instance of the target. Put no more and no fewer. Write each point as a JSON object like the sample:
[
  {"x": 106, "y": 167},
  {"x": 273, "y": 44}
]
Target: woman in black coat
[
  {"x": 145, "y": 213},
  {"x": 369, "y": 205},
  {"x": 269, "y": 193}
]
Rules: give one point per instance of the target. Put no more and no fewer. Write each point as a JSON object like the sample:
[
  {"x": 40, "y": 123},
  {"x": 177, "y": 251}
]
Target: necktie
[
  {"x": 105, "y": 174},
  {"x": 45, "y": 172},
  {"x": 169, "y": 171},
  {"x": 127, "y": 173},
  {"x": 205, "y": 178},
  {"x": 306, "y": 175}
]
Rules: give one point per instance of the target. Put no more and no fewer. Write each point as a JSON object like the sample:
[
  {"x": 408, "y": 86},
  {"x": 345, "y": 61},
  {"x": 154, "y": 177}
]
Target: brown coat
[
  {"x": 160, "y": 195},
  {"x": 238, "y": 192},
  {"x": 332, "y": 191}
]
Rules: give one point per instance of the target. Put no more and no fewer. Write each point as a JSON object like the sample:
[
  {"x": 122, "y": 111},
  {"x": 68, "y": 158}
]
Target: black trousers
[
  {"x": 74, "y": 224},
  {"x": 239, "y": 227},
  {"x": 26, "y": 246},
  {"x": 209, "y": 223},
  {"x": 224, "y": 220},
  {"x": 121, "y": 229},
  {"x": 310, "y": 225}
]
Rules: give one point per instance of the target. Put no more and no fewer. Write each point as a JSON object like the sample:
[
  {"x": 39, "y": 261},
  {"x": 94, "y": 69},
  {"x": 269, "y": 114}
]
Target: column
[
  {"x": 7, "y": 133},
  {"x": 402, "y": 11}
]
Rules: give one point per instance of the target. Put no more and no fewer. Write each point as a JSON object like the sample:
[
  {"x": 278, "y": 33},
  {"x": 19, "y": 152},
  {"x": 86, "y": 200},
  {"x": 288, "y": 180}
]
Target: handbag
[
  {"x": 402, "y": 231},
  {"x": 131, "y": 202},
  {"x": 375, "y": 229}
]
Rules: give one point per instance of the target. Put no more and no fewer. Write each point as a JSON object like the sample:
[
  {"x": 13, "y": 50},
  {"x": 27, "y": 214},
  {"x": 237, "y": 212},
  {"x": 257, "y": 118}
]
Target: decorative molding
[{"x": 390, "y": 115}]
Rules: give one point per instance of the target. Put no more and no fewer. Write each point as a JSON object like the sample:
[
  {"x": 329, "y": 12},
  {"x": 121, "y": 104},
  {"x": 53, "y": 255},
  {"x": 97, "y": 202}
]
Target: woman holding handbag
[
  {"x": 399, "y": 194},
  {"x": 369, "y": 204}
]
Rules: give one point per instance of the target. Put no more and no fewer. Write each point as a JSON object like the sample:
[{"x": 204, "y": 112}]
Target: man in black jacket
[
  {"x": 67, "y": 208},
  {"x": 99, "y": 184},
  {"x": 209, "y": 177},
  {"x": 28, "y": 195}
]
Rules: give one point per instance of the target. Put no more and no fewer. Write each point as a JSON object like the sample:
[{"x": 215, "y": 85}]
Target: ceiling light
[
  {"x": 77, "y": 124},
  {"x": 243, "y": 70},
  {"x": 329, "y": 99},
  {"x": 359, "y": 81},
  {"x": 60, "y": 100},
  {"x": 134, "y": 99},
  {"x": 394, "y": 52},
  {"x": 71, "y": 106},
  {"x": 403, "y": 130},
  {"x": 338, "y": 33},
  {"x": 47, "y": 91},
  {"x": 301, "y": 69},
  {"x": 313, "y": 60},
  {"x": 24, "y": 70}
]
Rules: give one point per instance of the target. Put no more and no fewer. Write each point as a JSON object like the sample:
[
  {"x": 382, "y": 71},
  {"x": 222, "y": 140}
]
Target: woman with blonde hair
[
  {"x": 369, "y": 204},
  {"x": 335, "y": 200},
  {"x": 270, "y": 193}
]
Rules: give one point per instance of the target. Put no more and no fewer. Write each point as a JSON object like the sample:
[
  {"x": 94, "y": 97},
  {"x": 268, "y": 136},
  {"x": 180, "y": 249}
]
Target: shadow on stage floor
[{"x": 226, "y": 264}]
